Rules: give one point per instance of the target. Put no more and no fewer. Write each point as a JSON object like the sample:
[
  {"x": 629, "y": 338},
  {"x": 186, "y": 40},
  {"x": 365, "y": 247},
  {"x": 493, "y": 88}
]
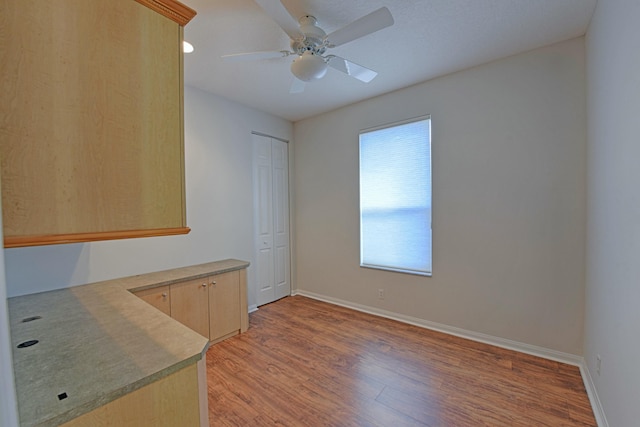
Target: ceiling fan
[{"x": 309, "y": 43}]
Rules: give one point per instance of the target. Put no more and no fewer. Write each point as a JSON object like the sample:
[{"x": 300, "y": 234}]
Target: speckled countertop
[{"x": 98, "y": 342}]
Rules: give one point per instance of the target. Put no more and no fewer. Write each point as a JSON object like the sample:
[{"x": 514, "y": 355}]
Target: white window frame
[{"x": 379, "y": 266}]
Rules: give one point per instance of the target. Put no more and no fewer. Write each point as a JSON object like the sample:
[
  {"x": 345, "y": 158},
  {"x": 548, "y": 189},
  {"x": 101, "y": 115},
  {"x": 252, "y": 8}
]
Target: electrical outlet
[
  {"x": 380, "y": 293},
  {"x": 598, "y": 363}
]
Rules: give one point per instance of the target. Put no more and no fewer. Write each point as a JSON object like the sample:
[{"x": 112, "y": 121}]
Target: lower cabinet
[
  {"x": 214, "y": 306},
  {"x": 190, "y": 304},
  {"x": 171, "y": 401},
  {"x": 158, "y": 297},
  {"x": 224, "y": 303}
]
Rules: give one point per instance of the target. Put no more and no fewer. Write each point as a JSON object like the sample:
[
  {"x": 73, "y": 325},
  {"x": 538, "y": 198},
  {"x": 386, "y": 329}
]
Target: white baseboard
[
  {"x": 533, "y": 350},
  {"x": 546, "y": 353},
  {"x": 596, "y": 405},
  {"x": 253, "y": 308}
]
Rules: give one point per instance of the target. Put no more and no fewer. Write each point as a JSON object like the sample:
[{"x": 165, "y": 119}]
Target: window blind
[{"x": 395, "y": 197}]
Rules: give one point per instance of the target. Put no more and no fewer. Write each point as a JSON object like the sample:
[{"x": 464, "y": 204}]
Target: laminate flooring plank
[{"x": 308, "y": 363}]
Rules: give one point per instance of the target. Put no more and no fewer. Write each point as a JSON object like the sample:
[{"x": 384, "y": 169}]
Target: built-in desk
[{"x": 99, "y": 343}]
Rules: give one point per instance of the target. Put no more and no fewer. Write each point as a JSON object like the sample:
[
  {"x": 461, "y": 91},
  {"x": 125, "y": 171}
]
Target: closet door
[
  {"x": 271, "y": 210},
  {"x": 280, "y": 172}
]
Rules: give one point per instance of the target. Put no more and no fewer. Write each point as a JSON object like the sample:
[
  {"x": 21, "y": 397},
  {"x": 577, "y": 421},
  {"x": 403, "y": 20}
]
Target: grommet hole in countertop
[
  {"x": 31, "y": 319},
  {"x": 27, "y": 343}
]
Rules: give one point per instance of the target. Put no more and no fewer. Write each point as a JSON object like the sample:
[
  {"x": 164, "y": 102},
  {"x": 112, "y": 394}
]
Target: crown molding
[{"x": 172, "y": 9}]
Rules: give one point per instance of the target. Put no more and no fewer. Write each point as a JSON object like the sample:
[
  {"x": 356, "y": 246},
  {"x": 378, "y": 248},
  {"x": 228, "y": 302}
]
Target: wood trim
[
  {"x": 172, "y": 9},
  {"x": 182, "y": 159},
  {"x": 55, "y": 239}
]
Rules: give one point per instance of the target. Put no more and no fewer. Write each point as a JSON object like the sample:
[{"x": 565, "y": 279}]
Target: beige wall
[
  {"x": 613, "y": 250},
  {"x": 509, "y": 147}
]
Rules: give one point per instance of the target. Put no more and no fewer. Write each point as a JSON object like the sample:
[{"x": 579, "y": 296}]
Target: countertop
[{"x": 98, "y": 342}]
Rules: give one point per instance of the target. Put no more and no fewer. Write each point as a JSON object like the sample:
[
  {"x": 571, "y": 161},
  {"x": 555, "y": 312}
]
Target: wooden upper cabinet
[{"x": 91, "y": 120}]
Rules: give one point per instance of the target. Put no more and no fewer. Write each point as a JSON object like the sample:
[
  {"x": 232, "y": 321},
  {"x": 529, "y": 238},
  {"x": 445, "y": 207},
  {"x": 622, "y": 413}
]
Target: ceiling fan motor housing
[{"x": 314, "y": 37}]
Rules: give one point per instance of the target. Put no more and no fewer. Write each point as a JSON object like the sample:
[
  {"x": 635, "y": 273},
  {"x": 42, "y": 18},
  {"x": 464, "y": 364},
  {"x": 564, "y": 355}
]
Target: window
[{"x": 395, "y": 197}]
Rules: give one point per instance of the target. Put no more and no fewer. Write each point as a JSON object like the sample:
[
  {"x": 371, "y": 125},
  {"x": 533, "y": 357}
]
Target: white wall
[
  {"x": 509, "y": 154},
  {"x": 613, "y": 249},
  {"x": 219, "y": 208},
  {"x": 8, "y": 404}
]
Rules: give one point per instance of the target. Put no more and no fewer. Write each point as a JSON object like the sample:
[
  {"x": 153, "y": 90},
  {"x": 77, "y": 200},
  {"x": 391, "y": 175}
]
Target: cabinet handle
[
  {"x": 164, "y": 295},
  {"x": 204, "y": 285},
  {"x": 213, "y": 282}
]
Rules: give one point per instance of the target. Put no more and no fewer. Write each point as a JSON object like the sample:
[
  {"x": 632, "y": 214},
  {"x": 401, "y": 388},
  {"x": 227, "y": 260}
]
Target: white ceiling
[{"x": 430, "y": 38}]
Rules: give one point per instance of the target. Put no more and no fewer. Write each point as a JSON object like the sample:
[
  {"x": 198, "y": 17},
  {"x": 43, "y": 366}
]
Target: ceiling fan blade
[
  {"x": 254, "y": 56},
  {"x": 297, "y": 86},
  {"x": 276, "y": 10},
  {"x": 352, "y": 69},
  {"x": 368, "y": 24}
]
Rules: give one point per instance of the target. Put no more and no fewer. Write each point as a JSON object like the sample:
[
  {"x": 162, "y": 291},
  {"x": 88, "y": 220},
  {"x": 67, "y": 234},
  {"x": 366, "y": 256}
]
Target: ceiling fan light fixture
[
  {"x": 187, "y": 47},
  {"x": 309, "y": 66}
]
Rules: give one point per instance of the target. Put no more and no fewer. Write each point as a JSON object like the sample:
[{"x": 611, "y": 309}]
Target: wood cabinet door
[
  {"x": 170, "y": 401},
  {"x": 224, "y": 305},
  {"x": 190, "y": 304},
  {"x": 158, "y": 297},
  {"x": 91, "y": 131}
]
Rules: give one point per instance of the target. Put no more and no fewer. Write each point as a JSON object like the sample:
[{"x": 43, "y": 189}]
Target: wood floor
[{"x": 308, "y": 363}]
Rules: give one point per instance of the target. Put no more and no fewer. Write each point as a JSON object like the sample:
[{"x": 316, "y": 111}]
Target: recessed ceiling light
[{"x": 187, "y": 47}]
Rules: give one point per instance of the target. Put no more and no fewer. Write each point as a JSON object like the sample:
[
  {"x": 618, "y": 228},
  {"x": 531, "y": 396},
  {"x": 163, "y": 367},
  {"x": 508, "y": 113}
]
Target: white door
[{"x": 271, "y": 203}]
